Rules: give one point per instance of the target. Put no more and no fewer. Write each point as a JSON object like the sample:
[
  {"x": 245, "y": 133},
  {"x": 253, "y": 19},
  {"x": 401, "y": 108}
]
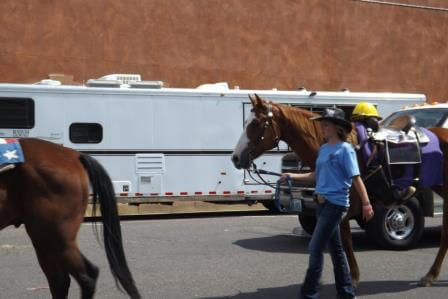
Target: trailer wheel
[
  {"x": 307, "y": 222},
  {"x": 397, "y": 228}
]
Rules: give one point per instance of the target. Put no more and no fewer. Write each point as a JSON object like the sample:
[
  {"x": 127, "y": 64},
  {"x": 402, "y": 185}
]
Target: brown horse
[
  {"x": 49, "y": 194},
  {"x": 270, "y": 122}
]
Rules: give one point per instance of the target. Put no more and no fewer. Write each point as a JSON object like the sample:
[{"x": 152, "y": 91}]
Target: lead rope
[{"x": 293, "y": 205}]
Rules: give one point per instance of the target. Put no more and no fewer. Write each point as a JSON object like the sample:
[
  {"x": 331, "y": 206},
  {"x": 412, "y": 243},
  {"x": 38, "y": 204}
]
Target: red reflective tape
[
  {"x": 154, "y": 194},
  {"x": 184, "y": 193},
  {"x": 254, "y": 191},
  {"x": 168, "y": 193},
  {"x": 240, "y": 192},
  {"x": 268, "y": 191},
  {"x": 198, "y": 193},
  {"x": 226, "y": 192},
  {"x": 212, "y": 193},
  {"x": 123, "y": 194},
  {"x": 138, "y": 194}
]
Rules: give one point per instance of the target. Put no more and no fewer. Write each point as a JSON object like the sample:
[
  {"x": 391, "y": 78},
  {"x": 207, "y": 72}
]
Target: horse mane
[{"x": 300, "y": 119}]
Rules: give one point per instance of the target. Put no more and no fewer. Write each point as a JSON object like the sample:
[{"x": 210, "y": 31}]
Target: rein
[{"x": 293, "y": 205}]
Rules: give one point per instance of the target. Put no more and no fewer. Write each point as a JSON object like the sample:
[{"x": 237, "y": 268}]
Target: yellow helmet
[{"x": 363, "y": 110}]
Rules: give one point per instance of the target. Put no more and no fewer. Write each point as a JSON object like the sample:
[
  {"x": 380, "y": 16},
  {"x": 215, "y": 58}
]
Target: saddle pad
[{"x": 10, "y": 151}]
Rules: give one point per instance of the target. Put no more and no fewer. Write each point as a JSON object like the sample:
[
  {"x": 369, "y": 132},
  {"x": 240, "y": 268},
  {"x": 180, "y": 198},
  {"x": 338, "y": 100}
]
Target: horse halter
[{"x": 268, "y": 123}]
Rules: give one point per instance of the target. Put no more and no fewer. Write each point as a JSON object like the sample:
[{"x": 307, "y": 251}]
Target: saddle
[
  {"x": 405, "y": 155},
  {"x": 5, "y": 168},
  {"x": 402, "y": 123},
  {"x": 401, "y": 130}
]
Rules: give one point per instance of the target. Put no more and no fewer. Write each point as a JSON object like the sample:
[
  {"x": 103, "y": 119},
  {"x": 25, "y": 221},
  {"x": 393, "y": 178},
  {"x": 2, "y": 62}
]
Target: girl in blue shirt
[{"x": 336, "y": 170}]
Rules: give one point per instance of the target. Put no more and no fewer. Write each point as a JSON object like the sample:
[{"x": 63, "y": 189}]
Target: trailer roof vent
[
  {"x": 146, "y": 84},
  {"x": 103, "y": 83},
  {"x": 123, "y": 78},
  {"x": 49, "y": 82},
  {"x": 214, "y": 86}
]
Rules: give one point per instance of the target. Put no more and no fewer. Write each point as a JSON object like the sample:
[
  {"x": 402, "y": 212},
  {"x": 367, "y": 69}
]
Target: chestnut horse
[
  {"x": 269, "y": 123},
  {"x": 48, "y": 193}
]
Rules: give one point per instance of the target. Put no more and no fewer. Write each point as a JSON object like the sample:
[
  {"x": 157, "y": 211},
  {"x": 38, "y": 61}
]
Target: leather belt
[{"x": 319, "y": 199}]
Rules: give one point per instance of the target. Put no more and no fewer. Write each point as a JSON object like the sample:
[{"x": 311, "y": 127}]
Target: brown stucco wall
[{"x": 319, "y": 44}]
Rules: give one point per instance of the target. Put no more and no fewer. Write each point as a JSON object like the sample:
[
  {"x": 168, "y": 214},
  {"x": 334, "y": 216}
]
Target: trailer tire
[
  {"x": 307, "y": 222},
  {"x": 397, "y": 228}
]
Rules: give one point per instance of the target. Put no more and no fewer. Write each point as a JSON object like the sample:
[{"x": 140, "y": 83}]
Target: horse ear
[
  {"x": 252, "y": 100},
  {"x": 259, "y": 103}
]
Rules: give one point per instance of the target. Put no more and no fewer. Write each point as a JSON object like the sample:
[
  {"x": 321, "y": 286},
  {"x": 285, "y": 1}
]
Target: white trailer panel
[{"x": 168, "y": 143}]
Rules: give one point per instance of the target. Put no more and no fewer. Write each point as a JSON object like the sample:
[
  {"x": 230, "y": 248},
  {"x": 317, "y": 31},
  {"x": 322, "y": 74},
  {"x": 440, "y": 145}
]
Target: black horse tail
[{"x": 103, "y": 193}]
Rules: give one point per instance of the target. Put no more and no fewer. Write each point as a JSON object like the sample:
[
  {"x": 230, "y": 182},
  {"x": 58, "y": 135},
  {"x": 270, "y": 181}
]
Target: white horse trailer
[{"x": 162, "y": 144}]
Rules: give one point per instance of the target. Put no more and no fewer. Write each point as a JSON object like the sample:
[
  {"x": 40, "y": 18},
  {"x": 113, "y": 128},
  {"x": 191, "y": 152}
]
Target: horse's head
[{"x": 261, "y": 133}]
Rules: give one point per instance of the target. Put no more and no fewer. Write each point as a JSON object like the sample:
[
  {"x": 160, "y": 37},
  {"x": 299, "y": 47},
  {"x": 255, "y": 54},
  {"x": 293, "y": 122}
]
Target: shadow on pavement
[
  {"x": 329, "y": 290},
  {"x": 279, "y": 243},
  {"x": 299, "y": 243},
  {"x": 294, "y": 243}
]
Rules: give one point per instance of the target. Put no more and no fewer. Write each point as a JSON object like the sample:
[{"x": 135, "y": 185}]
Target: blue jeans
[{"x": 326, "y": 233}]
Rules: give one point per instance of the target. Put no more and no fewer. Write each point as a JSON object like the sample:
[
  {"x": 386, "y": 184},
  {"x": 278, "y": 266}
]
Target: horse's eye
[{"x": 255, "y": 121}]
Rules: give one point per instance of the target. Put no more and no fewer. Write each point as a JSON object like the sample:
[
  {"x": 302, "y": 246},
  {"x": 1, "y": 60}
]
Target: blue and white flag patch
[{"x": 10, "y": 151}]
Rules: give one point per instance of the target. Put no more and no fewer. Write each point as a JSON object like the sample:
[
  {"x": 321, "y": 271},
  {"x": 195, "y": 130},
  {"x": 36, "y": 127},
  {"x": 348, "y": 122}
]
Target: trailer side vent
[{"x": 150, "y": 163}]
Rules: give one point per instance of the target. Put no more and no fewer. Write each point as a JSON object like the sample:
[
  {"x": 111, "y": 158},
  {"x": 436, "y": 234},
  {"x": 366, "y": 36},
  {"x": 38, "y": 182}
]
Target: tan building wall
[{"x": 319, "y": 44}]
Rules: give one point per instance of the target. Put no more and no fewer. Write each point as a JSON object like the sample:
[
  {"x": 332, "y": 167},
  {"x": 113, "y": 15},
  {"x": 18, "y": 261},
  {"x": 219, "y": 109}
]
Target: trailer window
[
  {"x": 16, "y": 113},
  {"x": 86, "y": 133}
]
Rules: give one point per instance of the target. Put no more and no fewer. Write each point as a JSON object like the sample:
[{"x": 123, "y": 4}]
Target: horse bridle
[
  {"x": 259, "y": 139},
  {"x": 268, "y": 123}
]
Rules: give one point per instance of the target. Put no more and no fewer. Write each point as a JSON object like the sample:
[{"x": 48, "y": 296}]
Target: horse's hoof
[{"x": 426, "y": 281}]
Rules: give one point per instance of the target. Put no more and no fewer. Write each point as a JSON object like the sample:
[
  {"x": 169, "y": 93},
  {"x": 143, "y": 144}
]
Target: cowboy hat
[{"x": 336, "y": 116}]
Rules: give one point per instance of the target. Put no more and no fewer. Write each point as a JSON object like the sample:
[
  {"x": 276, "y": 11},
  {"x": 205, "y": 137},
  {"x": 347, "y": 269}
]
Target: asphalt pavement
[{"x": 233, "y": 256}]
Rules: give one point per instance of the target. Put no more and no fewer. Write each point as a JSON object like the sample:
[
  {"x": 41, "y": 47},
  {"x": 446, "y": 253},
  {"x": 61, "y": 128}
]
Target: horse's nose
[{"x": 236, "y": 161}]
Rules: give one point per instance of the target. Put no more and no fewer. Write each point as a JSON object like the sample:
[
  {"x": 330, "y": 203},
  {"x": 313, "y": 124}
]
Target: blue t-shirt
[{"x": 335, "y": 167}]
